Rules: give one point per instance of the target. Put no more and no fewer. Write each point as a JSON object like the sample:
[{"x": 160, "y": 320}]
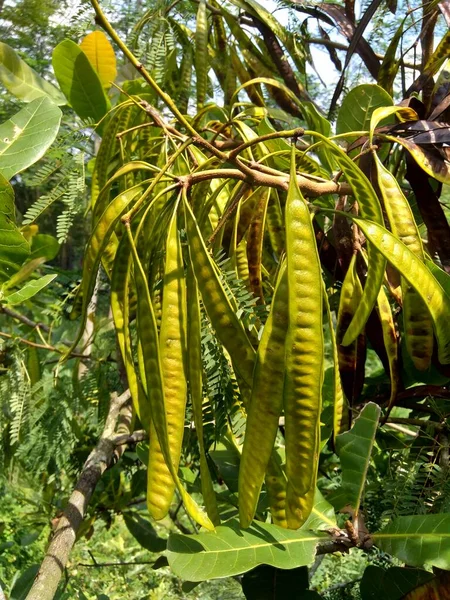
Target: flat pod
[
  {"x": 419, "y": 277},
  {"x": 304, "y": 344},
  {"x": 172, "y": 345},
  {"x": 266, "y": 402}
]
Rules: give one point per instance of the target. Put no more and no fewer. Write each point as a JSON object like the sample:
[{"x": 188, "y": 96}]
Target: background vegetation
[{"x": 191, "y": 116}]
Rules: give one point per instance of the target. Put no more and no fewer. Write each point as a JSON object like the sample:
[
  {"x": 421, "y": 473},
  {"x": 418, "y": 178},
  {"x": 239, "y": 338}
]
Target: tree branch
[
  {"x": 101, "y": 457},
  {"x": 43, "y": 346}
]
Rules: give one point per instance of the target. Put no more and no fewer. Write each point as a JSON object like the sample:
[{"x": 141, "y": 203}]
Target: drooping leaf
[
  {"x": 14, "y": 249},
  {"x": 389, "y": 66},
  {"x": 23, "y": 81},
  {"x": 25, "y": 137},
  {"x": 231, "y": 550},
  {"x": 144, "y": 532},
  {"x": 391, "y": 584},
  {"x": 30, "y": 289},
  {"x": 358, "y": 106},
  {"x": 354, "y": 448},
  {"x": 79, "y": 82},
  {"x": 417, "y": 540},
  {"x": 101, "y": 55}
]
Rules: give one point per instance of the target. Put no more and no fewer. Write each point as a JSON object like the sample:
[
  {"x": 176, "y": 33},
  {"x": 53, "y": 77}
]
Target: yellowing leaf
[{"x": 101, "y": 55}]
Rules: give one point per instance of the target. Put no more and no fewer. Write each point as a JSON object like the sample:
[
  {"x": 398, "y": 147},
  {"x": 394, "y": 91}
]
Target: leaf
[
  {"x": 391, "y": 584},
  {"x": 419, "y": 277},
  {"x": 23, "y": 584},
  {"x": 270, "y": 583},
  {"x": 389, "y": 66},
  {"x": 44, "y": 246},
  {"x": 29, "y": 290},
  {"x": 227, "y": 458},
  {"x": 438, "y": 587},
  {"x": 417, "y": 540},
  {"x": 25, "y": 137},
  {"x": 231, "y": 550},
  {"x": 354, "y": 448},
  {"x": 14, "y": 249},
  {"x": 23, "y": 81},
  {"x": 79, "y": 82},
  {"x": 430, "y": 161},
  {"x": 322, "y": 515},
  {"x": 358, "y": 106},
  {"x": 144, "y": 532},
  {"x": 100, "y": 54}
]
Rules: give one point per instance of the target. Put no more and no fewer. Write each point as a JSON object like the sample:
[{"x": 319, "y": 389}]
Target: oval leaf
[
  {"x": 79, "y": 82},
  {"x": 25, "y": 137},
  {"x": 358, "y": 106},
  {"x": 231, "y": 550},
  {"x": 101, "y": 55},
  {"x": 144, "y": 532},
  {"x": 23, "y": 81}
]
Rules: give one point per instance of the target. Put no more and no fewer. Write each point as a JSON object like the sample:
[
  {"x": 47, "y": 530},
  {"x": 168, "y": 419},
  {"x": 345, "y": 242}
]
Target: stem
[
  {"x": 103, "y": 22},
  {"x": 43, "y": 346},
  {"x": 268, "y": 136}
]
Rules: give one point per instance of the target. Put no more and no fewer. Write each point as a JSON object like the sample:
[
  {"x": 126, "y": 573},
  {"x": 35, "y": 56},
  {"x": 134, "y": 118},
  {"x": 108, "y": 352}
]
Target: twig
[
  {"x": 101, "y": 457},
  {"x": 23, "y": 319},
  {"x": 43, "y": 346},
  {"x": 98, "y": 565},
  {"x": 415, "y": 422}
]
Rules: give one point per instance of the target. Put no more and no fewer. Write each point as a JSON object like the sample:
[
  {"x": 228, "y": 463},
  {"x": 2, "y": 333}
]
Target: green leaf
[
  {"x": 29, "y": 290},
  {"x": 231, "y": 550},
  {"x": 79, "y": 82},
  {"x": 354, "y": 448},
  {"x": 227, "y": 458},
  {"x": 14, "y": 249},
  {"x": 417, "y": 540},
  {"x": 44, "y": 246},
  {"x": 270, "y": 583},
  {"x": 358, "y": 106},
  {"x": 25, "y": 137},
  {"x": 322, "y": 515},
  {"x": 391, "y": 584},
  {"x": 22, "y": 81},
  {"x": 23, "y": 584},
  {"x": 144, "y": 532}
]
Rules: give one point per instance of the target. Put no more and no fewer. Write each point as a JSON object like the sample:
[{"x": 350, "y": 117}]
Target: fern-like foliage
[
  {"x": 415, "y": 483},
  {"x": 248, "y": 311},
  {"x": 62, "y": 175}
]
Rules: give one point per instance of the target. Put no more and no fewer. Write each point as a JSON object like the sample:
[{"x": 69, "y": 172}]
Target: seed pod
[{"x": 304, "y": 343}]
